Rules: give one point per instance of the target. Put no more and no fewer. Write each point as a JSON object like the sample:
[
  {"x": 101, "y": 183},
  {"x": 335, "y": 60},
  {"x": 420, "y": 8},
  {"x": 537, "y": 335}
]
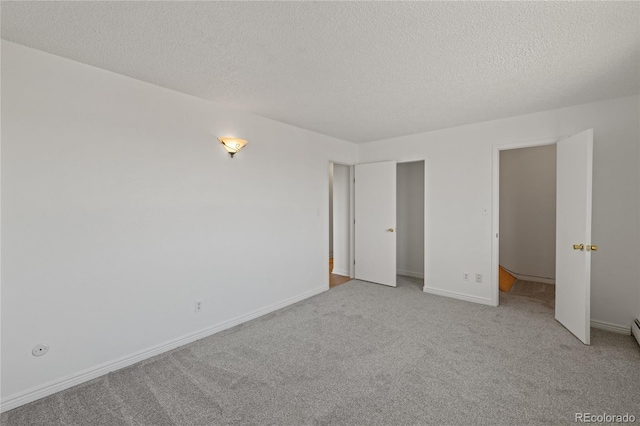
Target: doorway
[
  {"x": 389, "y": 210},
  {"x": 340, "y": 223},
  {"x": 527, "y": 211},
  {"x": 410, "y": 224},
  {"x": 573, "y": 247}
]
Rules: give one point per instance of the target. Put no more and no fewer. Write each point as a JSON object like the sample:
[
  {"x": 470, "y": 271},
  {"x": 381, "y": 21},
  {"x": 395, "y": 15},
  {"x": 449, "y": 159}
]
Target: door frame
[
  {"x": 424, "y": 218},
  {"x": 351, "y": 219},
  {"x": 352, "y": 212},
  {"x": 424, "y": 215},
  {"x": 495, "y": 206}
]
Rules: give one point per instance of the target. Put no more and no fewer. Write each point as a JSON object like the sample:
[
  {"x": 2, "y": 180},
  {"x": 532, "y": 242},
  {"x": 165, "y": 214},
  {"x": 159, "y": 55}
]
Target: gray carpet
[
  {"x": 542, "y": 292},
  {"x": 364, "y": 354}
]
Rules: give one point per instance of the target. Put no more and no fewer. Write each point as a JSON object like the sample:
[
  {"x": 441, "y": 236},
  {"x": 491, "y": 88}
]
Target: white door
[
  {"x": 375, "y": 227},
  {"x": 573, "y": 234}
]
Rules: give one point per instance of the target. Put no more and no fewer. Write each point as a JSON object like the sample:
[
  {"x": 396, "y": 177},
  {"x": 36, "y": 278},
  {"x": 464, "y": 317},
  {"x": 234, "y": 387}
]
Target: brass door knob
[
  {"x": 578, "y": 247},
  {"x": 391, "y": 230},
  {"x": 592, "y": 247}
]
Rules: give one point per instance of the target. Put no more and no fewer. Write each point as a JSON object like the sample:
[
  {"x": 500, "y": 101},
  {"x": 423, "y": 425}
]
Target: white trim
[
  {"x": 410, "y": 273},
  {"x": 340, "y": 272},
  {"x": 74, "y": 379},
  {"x": 614, "y": 328},
  {"x": 635, "y": 330},
  {"x": 495, "y": 209},
  {"x": 461, "y": 296},
  {"x": 352, "y": 226}
]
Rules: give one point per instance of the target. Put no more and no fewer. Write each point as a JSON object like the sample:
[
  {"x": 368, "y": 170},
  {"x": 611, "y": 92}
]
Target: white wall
[
  {"x": 528, "y": 212},
  {"x": 341, "y": 225},
  {"x": 120, "y": 209},
  {"x": 410, "y": 219},
  {"x": 458, "y": 182}
]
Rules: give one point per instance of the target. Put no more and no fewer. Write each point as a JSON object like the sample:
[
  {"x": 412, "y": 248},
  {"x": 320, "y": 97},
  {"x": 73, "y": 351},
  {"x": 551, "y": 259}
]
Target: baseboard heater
[{"x": 635, "y": 329}]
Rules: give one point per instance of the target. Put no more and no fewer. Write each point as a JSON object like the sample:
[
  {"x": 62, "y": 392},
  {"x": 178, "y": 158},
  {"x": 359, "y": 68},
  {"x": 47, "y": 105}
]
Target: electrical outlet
[
  {"x": 465, "y": 276},
  {"x": 40, "y": 350},
  {"x": 198, "y": 306},
  {"x": 478, "y": 278}
]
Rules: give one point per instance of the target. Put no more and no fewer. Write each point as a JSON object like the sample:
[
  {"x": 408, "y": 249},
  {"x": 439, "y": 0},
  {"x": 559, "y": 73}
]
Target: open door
[
  {"x": 375, "y": 222},
  {"x": 573, "y": 234}
]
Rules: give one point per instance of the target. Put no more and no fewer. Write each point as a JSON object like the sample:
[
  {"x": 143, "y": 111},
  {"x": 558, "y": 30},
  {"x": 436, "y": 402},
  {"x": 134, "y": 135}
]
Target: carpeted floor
[
  {"x": 545, "y": 293},
  {"x": 364, "y": 354}
]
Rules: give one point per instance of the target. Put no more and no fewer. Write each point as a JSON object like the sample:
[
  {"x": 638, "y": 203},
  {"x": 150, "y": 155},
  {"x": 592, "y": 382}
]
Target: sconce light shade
[{"x": 232, "y": 145}]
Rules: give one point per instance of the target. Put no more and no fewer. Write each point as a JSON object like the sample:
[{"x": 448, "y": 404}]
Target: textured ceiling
[{"x": 360, "y": 71}]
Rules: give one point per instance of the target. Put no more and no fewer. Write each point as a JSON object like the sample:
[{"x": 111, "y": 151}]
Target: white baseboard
[
  {"x": 615, "y": 328},
  {"x": 460, "y": 296},
  {"x": 410, "y": 273},
  {"x": 74, "y": 379},
  {"x": 534, "y": 279},
  {"x": 340, "y": 272},
  {"x": 635, "y": 330}
]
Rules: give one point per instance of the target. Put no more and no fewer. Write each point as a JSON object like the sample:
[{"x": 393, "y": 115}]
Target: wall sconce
[{"x": 232, "y": 145}]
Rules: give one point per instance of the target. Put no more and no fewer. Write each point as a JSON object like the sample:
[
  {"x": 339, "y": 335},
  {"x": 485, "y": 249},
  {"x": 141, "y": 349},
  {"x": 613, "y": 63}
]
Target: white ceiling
[{"x": 360, "y": 71}]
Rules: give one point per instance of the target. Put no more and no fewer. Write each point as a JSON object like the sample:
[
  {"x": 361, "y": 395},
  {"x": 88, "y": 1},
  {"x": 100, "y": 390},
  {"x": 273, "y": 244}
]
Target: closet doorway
[
  {"x": 340, "y": 224},
  {"x": 528, "y": 224},
  {"x": 410, "y": 205}
]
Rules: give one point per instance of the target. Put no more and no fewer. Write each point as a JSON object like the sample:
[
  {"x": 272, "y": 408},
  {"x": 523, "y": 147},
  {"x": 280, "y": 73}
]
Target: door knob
[
  {"x": 578, "y": 247},
  {"x": 592, "y": 247},
  {"x": 390, "y": 230}
]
